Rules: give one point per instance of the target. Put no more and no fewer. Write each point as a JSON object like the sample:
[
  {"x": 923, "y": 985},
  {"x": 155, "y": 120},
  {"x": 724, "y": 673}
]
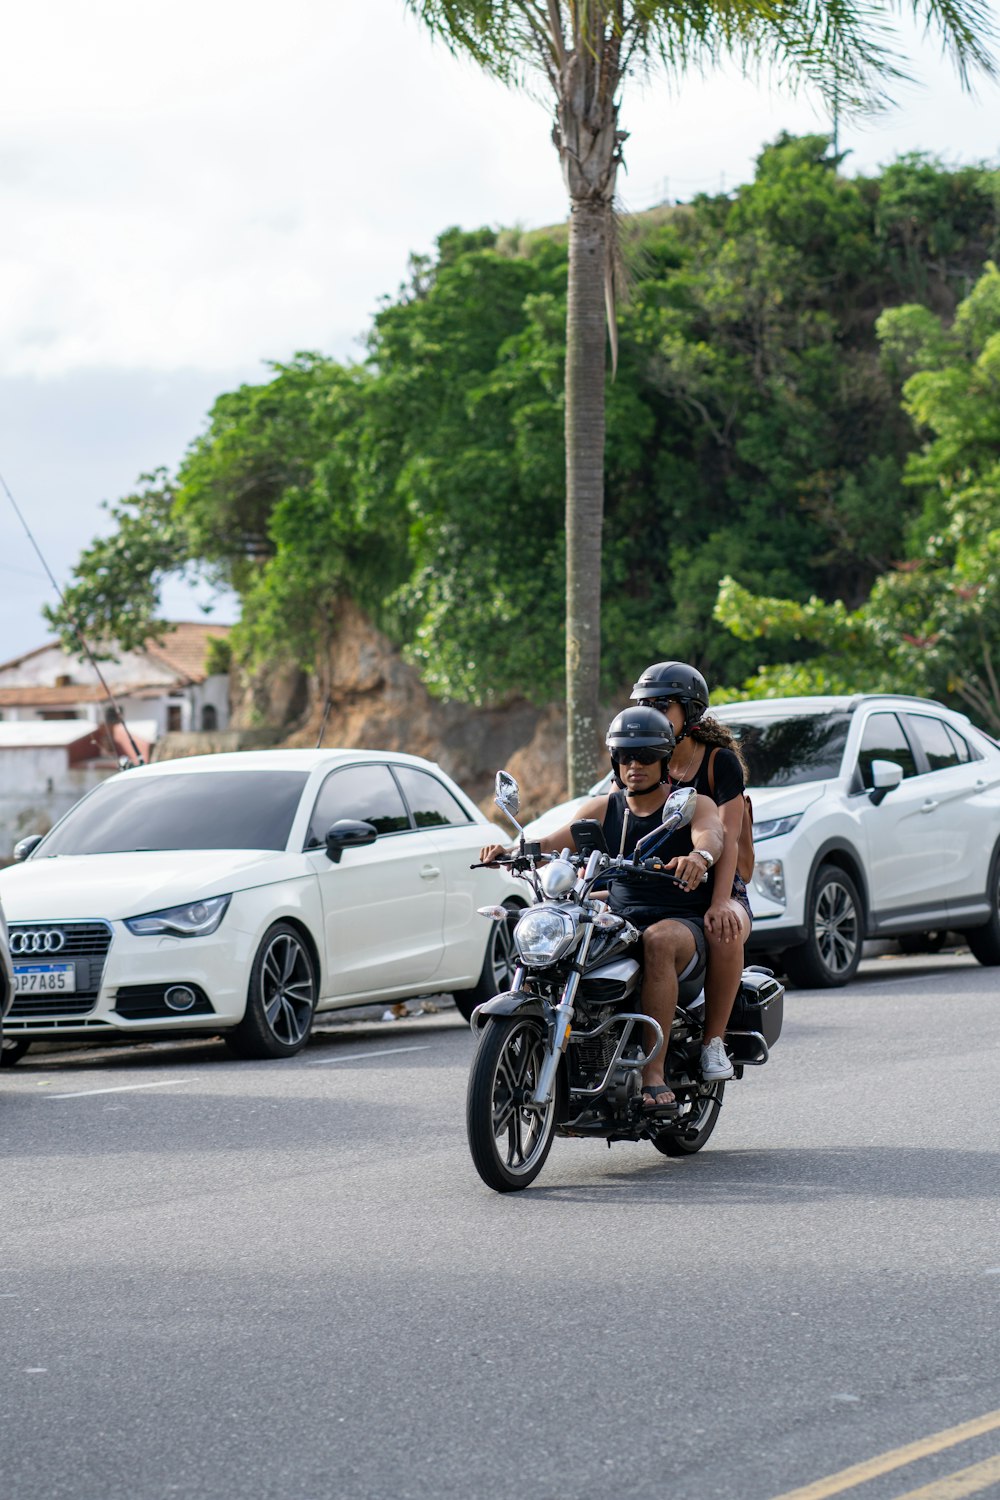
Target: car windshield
[
  {"x": 785, "y": 752},
  {"x": 191, "y": 810}
]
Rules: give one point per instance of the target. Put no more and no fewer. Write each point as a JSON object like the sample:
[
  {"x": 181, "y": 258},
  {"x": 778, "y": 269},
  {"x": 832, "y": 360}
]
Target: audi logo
[{"x": 37, "y": 942}]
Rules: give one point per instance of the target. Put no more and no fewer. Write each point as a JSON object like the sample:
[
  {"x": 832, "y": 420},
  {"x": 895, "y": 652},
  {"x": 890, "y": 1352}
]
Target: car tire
[
  {"x": 831, "y": 953},
  {"x": 12, "y": 1049},
  {"x": 281, "y": 997},
  {"x": 498, "y": 966},
  {"x": 984, "y": 942}
]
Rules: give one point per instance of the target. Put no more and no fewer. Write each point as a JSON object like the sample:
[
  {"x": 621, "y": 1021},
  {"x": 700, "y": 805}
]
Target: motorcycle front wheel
[
  {"x": 691, "y": 1133},
  {"x": 509, "y": 1137}
]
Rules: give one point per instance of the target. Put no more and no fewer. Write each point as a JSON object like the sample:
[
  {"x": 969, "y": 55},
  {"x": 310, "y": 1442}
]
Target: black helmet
[
  {"x": 674, "y": 679},
  {"x": 641, "y": 728}
]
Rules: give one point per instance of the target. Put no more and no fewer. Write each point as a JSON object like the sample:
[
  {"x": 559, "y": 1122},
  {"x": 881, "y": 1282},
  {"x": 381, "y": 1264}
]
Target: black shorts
[{"x": 645, "y": 916}]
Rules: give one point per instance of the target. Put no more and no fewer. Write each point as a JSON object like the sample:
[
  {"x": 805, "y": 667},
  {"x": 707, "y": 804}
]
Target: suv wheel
[
  {"x": 831, "y": 953},
  {"x": 984, "y": 942}
]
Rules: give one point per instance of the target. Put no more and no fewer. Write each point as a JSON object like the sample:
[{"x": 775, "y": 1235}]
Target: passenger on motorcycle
[
  {"x": 708, "y": 759},
  {"x": 670, "y": 915}
]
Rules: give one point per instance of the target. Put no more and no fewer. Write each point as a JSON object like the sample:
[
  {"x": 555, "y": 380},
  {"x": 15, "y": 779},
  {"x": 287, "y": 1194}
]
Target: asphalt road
[{"x": 228, "y": 1279}]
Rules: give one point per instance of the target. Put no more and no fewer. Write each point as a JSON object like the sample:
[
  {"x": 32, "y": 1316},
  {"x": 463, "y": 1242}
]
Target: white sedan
[{"x": 243, "y": 893}]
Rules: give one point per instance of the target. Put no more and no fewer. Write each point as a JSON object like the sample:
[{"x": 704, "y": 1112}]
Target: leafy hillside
[{"x": 756, "y": 430}]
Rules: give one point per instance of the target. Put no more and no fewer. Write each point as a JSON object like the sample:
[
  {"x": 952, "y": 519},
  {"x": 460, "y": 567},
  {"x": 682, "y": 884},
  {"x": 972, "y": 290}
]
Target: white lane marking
[
  {"x": 355, "y": 1056},
  {"x": 124, "y": 1088}
]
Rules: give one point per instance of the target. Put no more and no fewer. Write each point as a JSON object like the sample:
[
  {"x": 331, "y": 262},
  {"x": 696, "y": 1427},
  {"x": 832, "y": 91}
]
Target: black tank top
[{"x": 647, "y": 892}]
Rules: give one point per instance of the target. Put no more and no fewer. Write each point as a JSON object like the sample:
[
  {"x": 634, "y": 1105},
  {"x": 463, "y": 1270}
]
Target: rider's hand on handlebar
[
  {"x": 490, "y": 853},
  {"x": 688, "y": 870}
]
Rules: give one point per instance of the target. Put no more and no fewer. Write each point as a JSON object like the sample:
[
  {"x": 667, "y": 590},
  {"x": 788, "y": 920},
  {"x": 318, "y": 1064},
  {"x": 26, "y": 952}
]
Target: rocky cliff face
[{"x": 378, "y": 702}]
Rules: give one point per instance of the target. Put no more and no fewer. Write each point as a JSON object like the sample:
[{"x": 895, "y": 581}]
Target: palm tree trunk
[{"x": 585, "y": 365}]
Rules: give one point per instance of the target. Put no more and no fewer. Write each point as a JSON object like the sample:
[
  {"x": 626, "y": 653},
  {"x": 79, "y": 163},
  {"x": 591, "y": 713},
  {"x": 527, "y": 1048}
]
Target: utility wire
[{"x": 76, "y": 629}]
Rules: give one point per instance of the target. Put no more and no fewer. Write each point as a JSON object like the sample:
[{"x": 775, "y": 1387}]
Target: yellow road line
[
  {"x": 896, "y": 1458},
  {"x": 970, "y": 1481}
]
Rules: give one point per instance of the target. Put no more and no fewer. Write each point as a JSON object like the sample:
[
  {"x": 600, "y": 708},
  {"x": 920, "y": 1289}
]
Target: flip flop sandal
[{"x": 654, "y": 1090}]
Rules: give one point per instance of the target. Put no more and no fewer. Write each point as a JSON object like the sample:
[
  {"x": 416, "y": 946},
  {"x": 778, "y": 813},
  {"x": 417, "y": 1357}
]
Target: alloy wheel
[
  {"x": 836, "y": 927},
  {"x": 287, "y": 988}
]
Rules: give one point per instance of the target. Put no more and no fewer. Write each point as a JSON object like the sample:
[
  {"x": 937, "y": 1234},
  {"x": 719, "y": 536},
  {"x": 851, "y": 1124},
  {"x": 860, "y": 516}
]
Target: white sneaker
[{"x": 714, "y": 1062}]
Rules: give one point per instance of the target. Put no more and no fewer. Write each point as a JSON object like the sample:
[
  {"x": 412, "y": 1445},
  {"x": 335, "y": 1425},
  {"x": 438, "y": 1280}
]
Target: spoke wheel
[
  {"x": 832, "y": 951},
  {"x": 691, "y": 1131},
  {"x": 281, "y": 997},
  {"x": 509, "y": 1137},
  {"x": 498, "y": 966}
]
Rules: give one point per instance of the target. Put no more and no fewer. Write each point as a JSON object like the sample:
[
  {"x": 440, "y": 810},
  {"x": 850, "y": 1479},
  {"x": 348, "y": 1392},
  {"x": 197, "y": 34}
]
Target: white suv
[{"x": 874, "y": 816}]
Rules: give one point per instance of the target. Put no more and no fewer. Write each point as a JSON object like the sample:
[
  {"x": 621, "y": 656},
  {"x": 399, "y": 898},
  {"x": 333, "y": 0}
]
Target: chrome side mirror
[
  {"x": 507, "y": 795},
  {"x": 24, "y": 847},
  {"x": 680, "y": 807},
  {"x": 508, "y": 799},
  {"x": 678, "y": 810}
]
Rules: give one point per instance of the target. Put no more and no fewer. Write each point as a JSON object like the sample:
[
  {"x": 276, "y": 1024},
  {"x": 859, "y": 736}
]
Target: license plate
[{"x": 45, "y": 978}]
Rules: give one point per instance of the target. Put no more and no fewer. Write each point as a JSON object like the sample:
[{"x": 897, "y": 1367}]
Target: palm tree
[{"x": 585, "y": 49}]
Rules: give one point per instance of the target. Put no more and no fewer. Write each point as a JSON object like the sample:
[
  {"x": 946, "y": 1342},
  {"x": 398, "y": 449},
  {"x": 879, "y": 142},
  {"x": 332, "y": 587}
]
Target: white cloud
[{"x": 189, "y": 188}]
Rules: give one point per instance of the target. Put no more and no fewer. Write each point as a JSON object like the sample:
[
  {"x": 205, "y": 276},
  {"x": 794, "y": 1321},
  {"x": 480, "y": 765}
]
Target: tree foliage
[
  {"x": 932, "y": 622},
  {"x": 755, "y": 430}
]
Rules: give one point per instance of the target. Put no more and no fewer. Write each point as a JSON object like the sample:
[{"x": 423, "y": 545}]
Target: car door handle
[
  {"x": 928, "y": 806},
  {"x": 429, "y": 872}
]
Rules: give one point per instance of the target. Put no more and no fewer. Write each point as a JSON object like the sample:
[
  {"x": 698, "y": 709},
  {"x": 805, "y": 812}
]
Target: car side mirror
[
  {"x": 886, "y": 774},
  {"x": 347, "y": 834},
  {"x": 23, "y": 847}
]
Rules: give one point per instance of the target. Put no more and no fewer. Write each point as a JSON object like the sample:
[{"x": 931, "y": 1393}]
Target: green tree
[
  {"x": 115, "y": 598},
  {"x": 931, "y": 624},
  {"x": 585, "y": 50}
]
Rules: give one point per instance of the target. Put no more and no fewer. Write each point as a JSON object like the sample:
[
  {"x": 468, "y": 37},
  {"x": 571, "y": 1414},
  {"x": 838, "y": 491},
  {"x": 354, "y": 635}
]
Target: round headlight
[
  {"x": 558, "y": 878},
  {"x": 543, "y": 935}
]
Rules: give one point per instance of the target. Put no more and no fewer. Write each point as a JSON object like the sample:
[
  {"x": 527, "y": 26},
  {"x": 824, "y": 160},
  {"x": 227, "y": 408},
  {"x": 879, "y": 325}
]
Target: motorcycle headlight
[
  {"x": 196, "y": 919},
  {"x": 543, "y": 935}
]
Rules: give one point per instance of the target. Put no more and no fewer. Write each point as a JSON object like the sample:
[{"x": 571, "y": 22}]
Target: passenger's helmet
[
  {"x": 673, "y": 679},
  {"x": 641, "y": 728}
]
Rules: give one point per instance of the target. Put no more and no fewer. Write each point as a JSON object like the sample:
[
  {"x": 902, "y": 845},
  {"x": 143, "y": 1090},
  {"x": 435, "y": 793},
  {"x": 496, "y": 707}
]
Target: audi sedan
[
  {"x": 6, "y": 986},
  {"x": 240, "y": 894}
]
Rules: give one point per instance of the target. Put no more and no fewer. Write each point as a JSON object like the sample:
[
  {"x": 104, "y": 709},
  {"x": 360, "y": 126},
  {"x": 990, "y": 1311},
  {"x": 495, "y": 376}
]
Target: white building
[{"x": 59, "y": 734}]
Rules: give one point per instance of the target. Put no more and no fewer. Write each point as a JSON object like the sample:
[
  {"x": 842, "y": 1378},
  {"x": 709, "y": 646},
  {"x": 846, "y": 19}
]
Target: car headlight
[
  {"x": 195, "y": 919},
  {"x": 543, "y": 935},
  {"x": 769, "y": 878},
  {"x": 771, "y": 827}
]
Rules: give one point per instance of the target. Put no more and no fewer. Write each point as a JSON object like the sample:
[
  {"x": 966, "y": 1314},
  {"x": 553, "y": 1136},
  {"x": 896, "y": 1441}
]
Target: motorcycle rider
[
  {"x": 708, "y": 759},
  {"x": 669, "y": 915}
]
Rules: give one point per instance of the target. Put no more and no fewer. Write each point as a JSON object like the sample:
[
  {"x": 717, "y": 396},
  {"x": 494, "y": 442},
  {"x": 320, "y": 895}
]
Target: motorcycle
[{"x": 562, "y": 1051}]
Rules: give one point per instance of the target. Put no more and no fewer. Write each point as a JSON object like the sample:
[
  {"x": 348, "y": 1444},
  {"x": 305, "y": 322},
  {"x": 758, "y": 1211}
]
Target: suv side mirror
[
  {"x": 24, "y": 847},
  {"x": 886, "y": 774},
  {"x": 347, "y": 834}
]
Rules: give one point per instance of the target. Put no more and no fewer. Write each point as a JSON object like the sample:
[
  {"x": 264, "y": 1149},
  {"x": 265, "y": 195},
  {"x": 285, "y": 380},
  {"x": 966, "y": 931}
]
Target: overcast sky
[{"x": 188, "y": 189}]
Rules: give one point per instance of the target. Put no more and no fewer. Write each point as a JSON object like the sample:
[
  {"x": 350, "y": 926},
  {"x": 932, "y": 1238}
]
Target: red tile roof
[{"x": 182, "y": 652}]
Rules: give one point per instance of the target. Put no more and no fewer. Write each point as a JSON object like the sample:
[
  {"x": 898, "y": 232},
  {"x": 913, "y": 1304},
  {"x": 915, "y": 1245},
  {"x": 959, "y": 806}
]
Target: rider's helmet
[
  {"x": 673, "y": 679},
  {"x": 641, "y": 729}
]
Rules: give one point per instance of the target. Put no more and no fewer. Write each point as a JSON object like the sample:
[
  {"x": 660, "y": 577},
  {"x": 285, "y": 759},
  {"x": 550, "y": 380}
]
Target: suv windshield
[
  {"x": 193, "y": 810},
  {"x": 784, "y": 752}
]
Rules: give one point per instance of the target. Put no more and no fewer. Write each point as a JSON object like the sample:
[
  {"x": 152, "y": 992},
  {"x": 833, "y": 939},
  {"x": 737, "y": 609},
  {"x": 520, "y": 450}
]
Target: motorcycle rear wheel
[
  {"x": 509, "y": 1139},
  {"x": 697, "y": 1126}
]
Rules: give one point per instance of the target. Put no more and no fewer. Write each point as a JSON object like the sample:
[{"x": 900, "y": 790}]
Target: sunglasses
[
  {"x": 644, "y": 757},
  {"x": 660, "y": 702}
]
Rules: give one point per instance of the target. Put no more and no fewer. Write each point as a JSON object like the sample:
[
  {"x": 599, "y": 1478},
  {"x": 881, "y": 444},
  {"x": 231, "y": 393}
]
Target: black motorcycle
[{"x": 562, "y": 1051}]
